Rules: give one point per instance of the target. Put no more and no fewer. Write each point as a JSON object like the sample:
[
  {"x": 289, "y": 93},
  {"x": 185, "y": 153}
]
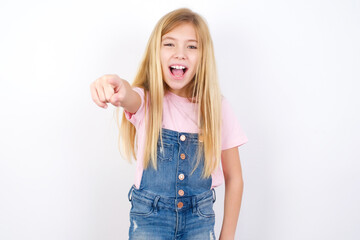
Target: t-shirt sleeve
[
  {"x": 135, "y": 118},
  {"x": 232, "y": 134}
]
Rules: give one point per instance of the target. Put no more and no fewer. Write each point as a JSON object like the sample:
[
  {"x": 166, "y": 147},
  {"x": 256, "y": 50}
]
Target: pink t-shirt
[{"x": 181, "y": 115}]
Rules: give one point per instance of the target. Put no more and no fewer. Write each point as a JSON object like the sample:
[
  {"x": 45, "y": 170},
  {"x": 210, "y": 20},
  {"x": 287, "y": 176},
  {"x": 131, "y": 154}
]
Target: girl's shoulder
[
  {"x": 227, "y": 110},
  {"x": 225, "y": 103},
  {"x": 232, "y": 132}
]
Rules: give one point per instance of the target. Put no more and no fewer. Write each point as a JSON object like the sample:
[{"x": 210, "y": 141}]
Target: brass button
[
  {"x": 182, "y": 156},
  {"x": 181, "y": 192},
  {"x": 180, "y": 205},
  {"x": 181, "y": 176},
  {"x": 182, "y": 137}
]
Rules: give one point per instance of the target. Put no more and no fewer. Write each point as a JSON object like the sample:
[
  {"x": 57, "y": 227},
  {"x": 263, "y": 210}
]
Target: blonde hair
[{"x": 204, "y": 88}]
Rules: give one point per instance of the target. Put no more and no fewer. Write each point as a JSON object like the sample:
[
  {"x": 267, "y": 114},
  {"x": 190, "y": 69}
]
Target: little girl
[{"x": 178, "y": 126}]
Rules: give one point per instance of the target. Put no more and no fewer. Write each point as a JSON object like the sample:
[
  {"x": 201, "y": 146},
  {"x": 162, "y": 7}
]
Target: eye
[
  {"x": 192, "y": 47},
  {"x": 168, "y": 44}
]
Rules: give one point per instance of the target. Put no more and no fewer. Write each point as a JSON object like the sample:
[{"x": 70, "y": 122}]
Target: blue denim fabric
[{"x": 159, "y": 211}]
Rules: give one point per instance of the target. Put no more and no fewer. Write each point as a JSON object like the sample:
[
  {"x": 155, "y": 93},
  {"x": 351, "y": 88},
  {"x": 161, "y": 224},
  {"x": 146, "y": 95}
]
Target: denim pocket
[
  {"x": 165, "y": 153},
  {"x": 205, "y": 209},
  {"x": 140, "y": 208}
]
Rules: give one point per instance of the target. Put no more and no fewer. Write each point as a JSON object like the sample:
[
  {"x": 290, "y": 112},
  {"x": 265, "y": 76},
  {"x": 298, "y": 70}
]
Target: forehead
[{"x": 184, "y": 31}]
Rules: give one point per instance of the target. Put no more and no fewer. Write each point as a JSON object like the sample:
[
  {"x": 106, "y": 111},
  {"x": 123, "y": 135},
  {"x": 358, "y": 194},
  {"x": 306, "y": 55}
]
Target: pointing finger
[{"x": 115, "y": 83}]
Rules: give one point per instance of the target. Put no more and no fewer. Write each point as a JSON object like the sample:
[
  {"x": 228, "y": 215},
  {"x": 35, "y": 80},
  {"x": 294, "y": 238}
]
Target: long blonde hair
[{"x": 204, "y": 88}]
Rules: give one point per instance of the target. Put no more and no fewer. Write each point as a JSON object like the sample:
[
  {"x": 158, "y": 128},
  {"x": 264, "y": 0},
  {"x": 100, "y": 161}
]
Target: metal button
[
  {"x": 181, "y": 176},
  {"x": 182, "y": 137},
  {"x": 180, "y": 205},
  {"x": 181, "y": 192},
  {"x": 182, "y": 156}
]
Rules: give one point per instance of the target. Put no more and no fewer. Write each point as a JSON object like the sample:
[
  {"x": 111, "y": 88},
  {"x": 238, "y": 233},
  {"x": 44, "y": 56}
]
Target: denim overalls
[{"x": 170, "y": 203}]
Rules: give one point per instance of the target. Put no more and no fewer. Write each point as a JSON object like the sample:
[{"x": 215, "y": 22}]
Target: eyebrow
[{"x": 171, "y": 38}]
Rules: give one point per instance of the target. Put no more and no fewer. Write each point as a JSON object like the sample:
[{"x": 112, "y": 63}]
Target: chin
[{"x": 173, "y": 86}]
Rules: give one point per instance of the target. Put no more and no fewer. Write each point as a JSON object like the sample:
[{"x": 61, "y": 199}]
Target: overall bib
[{"x": 170, "y": 203}]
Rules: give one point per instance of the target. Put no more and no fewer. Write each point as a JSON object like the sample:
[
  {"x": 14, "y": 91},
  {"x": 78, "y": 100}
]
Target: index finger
[{"x": 115, "y": 83}]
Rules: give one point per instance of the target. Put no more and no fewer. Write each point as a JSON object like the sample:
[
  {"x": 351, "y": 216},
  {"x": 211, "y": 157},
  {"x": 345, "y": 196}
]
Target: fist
[{"x": 109, "y": 88}]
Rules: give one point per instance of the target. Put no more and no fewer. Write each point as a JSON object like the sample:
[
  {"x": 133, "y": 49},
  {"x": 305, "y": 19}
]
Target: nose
[{"x": 179, "y": 53}]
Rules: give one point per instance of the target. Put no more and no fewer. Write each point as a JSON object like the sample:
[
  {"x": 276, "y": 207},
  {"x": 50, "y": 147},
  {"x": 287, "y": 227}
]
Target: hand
[{"x": 109, "y": 89}]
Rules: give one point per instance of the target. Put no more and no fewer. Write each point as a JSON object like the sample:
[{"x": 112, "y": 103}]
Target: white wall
[{"x": 289, "y": 68}]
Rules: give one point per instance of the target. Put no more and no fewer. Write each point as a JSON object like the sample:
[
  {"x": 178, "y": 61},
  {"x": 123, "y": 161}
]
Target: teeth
[{"x": 177, "y": 67}]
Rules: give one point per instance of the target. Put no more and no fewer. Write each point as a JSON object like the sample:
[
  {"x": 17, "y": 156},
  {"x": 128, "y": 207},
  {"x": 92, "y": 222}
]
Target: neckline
[{"x": 183, "y": 99}]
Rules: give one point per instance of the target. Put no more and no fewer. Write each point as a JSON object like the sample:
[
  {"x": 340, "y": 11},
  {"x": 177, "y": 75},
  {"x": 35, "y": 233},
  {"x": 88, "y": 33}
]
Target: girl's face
[{"x": 179, "y": 57}]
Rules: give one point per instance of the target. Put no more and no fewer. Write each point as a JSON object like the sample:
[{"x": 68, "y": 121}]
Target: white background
[{"x": 290, "y": 69}]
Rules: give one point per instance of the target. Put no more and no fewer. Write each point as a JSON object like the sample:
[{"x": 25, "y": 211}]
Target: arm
[
  {"x": 132, "y": 100},
  {"x": 233, "y": 192}
]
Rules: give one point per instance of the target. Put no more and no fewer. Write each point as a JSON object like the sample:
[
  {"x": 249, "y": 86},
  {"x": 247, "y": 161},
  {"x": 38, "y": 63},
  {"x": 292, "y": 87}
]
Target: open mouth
[{"x": 178, "y": 71}]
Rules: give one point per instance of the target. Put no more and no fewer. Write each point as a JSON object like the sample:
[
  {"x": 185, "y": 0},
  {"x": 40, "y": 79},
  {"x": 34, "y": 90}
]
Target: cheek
[
  {"x": 164, "y": 71},
  {"x": 163, "y": 65},
  {"x": 163, "y": 60},
  {"x": 194, "y": 60}
]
